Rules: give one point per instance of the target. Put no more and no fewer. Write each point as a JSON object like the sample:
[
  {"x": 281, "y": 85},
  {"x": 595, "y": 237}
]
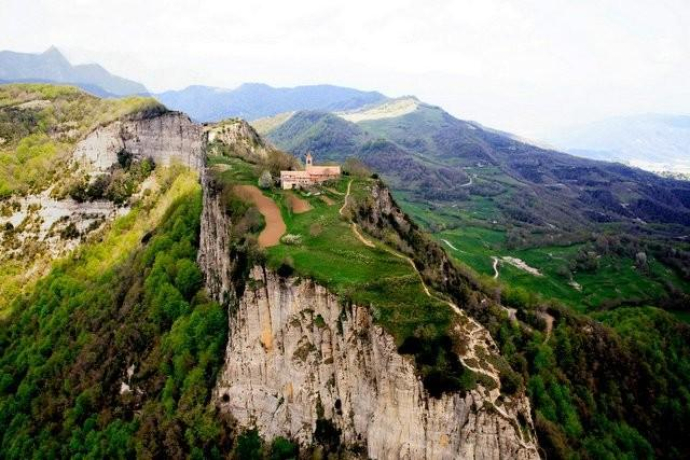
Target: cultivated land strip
[{"x": 275, "y": 226}]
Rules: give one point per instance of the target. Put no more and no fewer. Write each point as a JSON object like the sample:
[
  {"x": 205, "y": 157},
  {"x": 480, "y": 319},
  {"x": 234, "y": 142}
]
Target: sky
[{"x": 527, "y": 66}]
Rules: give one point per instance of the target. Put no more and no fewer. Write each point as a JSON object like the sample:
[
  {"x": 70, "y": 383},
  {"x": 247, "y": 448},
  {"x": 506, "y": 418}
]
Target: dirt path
[
  {"x": 450, "y": 245},
  {"x": 347, "y": 195},
  {"x": 495, "y": 259},
  {"x": 478, "y": 336},
  {"x": 297, "y": 204},
  {"x": 275, "y": 227},
  {"x": 361, "y": 238},
  {"x": 549, "y": 324}
]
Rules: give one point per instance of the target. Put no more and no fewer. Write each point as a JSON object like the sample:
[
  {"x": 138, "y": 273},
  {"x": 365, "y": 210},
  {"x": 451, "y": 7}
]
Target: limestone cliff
[
  {"x": 35, "y": 229},
  {"x": 301, "y": 362},
  {"x": 221, "y": 265},
  {"x": 166, "y": 138},
  {"x": 239, "y": 136},
  {"x": 296, "y": 356}
]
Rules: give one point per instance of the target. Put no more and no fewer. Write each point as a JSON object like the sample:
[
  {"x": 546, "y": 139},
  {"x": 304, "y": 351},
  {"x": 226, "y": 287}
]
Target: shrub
[
  {"x": 286, "y": 268},
  {"x": 291, "y": 239},
  {"x": 283, "y": 449},
  {"x": 266, "y": 180},
  {"x": 189, "y": 278},
  {"x": 249, "y": 446}
]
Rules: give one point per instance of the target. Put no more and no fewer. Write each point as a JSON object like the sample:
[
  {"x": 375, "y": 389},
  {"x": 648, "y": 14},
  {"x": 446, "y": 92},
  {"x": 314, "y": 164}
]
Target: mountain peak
[
  {"x": 54, "y": 53},
  {"x": 52, "y": 66}
]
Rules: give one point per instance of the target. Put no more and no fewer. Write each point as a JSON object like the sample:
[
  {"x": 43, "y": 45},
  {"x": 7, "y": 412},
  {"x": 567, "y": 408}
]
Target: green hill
[
  {"x": 466, "y": 183},
  {"x": 114, "y": 352},
  {"x": 590, "y": 387}
]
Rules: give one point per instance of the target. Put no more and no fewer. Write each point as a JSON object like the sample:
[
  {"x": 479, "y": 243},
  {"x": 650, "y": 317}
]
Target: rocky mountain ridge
[
  {"x": 300, "y": 364},
  {"x": 255, "y": 100},
  {"x": 166, "y": 138},
  {"x": 304, "y": 364},
  {"x": 52, "y": 67}
]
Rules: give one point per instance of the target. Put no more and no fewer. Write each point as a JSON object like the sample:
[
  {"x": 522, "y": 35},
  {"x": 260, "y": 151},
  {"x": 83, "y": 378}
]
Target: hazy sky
[{"x": 526, "y": 66}]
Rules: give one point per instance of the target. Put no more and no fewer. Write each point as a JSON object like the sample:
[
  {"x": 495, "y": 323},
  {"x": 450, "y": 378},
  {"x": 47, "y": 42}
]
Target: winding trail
[
  {"x": 549, "y": 319},
  {"x": 427, "y": 291},
  {"x": 359, "y": 236},
  {"x": 495, "y": 259},
  {"x": 347, "y": 195},
  {"x": 450, "y": 245},
  {"x": 478, "y": 336}
]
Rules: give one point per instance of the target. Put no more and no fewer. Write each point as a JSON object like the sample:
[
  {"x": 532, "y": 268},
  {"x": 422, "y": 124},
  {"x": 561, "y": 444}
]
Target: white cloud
[{"x": 521, "y": 65}]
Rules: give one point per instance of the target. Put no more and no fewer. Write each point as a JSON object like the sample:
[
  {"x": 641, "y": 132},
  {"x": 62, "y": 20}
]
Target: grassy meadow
[
  {"x": 475, "y": 241},
  {"x": 331, "y": 254}
]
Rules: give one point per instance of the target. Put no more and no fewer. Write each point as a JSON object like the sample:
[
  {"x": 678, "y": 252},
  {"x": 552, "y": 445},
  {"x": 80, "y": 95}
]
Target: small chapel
[{"x": 310, "y": 176}]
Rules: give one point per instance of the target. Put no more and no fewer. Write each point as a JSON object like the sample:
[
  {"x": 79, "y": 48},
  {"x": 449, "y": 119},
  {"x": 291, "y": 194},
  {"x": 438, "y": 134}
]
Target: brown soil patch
[
  {"x": 275, "y": 227},
  {"x": 327, "y": 200},
  {"x": 297, "y": 204}
]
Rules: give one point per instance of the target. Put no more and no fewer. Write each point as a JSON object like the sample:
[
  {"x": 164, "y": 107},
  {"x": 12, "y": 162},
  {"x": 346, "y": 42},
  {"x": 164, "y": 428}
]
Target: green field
[
  {"x": 320, "y": 245},
  {"x": 330, "y": 253},
  {"x": 475, "y": 243}
]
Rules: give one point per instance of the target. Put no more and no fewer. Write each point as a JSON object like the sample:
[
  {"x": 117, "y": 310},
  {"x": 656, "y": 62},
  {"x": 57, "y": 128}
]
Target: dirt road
[
  {"x": 275, "y": 227},
  {"x": 495, "y": 259}
]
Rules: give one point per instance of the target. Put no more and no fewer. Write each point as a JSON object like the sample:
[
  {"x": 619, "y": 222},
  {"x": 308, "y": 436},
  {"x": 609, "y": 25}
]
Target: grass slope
[
  {"x": 325, "y": 249},
  {"x": 39, "y": 126},
  {"x": 124, "y": 309},
  {"x": 460, "y": 179}
]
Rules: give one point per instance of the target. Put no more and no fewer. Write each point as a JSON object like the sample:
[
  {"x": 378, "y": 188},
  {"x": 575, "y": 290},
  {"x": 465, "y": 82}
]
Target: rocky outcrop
[
  {"x": 300, "y": 363},
  {"x": 48, "y": 226},
  {"x": 166, "y": 138},
  {"x": 240, "y": 137},
  {"x": 215, "y": 257},
  {"x": 297, "y": 358}
]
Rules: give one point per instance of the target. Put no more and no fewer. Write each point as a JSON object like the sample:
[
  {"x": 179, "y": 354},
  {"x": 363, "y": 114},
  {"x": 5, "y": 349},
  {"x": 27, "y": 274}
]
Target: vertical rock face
[
  {"x": 214, "y": 257},
  {"x": 100, "y": 148},
  {"x": 299, "y": 364},
  {"x": 297, "y": 358},
  {"x": 166, "y": 138}
]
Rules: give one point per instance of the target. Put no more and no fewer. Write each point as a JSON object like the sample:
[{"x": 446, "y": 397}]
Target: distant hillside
[
  {"x": 431, "y": 155},
  {"x": 52, "y": 67},
  {"x": 653, "y": 142},
  {"x": 254, "y": 100}
]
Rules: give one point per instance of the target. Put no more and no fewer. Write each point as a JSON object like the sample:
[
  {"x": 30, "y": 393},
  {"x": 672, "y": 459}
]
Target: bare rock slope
[
  {"x": 166, "y": 138},
  {"x": 301, "y": 364},
  {"x": 298, "y": 358}
]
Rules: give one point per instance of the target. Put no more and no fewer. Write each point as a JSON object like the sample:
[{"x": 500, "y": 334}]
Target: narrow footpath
[{"x": 478, "y": 336}]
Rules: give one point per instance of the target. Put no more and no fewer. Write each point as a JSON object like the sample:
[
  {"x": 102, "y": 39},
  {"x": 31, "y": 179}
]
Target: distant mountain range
[
  {"x": 255, "y": 100},
  {"x": 652, "y": 141},
  {"x": 52, "y": 67},
  {"x": 428, "y": 155}
]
